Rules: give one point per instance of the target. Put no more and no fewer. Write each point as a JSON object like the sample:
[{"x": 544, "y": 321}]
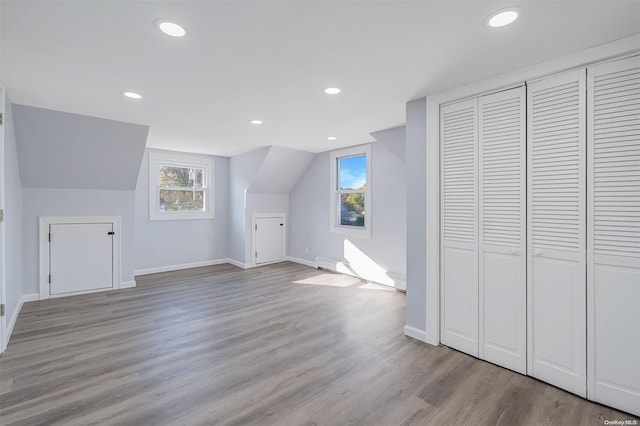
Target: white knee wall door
[{"x": 540, "y": 230}]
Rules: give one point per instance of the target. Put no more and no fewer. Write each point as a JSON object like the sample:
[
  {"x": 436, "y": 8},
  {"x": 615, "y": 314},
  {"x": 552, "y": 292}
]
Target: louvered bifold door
[
  {"x": 502, "y": 250},
  {"x": 556, "y": 231},
  {"x": 613, "y": 272},
  {"x": 459, "y": 227}
]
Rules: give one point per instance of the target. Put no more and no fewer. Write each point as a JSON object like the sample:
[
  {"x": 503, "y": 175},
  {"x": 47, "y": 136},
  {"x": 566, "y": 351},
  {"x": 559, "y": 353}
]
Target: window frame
[
  {"x": 159, "y": 159},
  {"x": 335, "y": 192}
]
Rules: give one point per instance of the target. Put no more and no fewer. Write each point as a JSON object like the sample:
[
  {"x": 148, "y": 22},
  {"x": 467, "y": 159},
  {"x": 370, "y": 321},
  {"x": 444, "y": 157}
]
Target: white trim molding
[
  {"x": 389, "y": 279},
  {"x": 415, "y": 333},
  {"x": 127, "y": 284},
  {"x": 14, "y": 317},
  {"x": 305, "y": 262},
  {"x": 239, "y": 264},
  {"x": 44, "y": 255},
  {"x": 3, "y": 294},
  {"x": 169, "y": 268}
]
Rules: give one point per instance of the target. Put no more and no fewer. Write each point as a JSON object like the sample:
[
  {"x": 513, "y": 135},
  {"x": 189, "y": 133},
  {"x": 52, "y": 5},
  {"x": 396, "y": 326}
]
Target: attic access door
[
  {"x": 79, "y": 254},
  {"x": 269, "y": 236}
]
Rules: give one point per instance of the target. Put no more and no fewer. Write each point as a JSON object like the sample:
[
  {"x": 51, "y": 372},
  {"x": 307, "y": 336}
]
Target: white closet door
[
  {"x": 459, "y": 233},
  {"x": 556, "y": 209},
  {"x": 502, "y": 263},
  {"x": 614, "y": 234}
]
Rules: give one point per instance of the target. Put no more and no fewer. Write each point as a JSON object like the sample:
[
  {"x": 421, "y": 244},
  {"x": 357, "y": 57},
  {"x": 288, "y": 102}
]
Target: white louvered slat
[
  {"x": 555, "y": 166},
  {"x": 613, "y": 266},
  {"x": 459, "y": 174},
  {"x": 502, "y": 141},
  {"x": 556, "y": 238},
  {"x": 616, "y": 163}
]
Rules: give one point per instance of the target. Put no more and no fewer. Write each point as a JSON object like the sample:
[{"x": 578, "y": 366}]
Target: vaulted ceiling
[{"x": 271, "y": 60}]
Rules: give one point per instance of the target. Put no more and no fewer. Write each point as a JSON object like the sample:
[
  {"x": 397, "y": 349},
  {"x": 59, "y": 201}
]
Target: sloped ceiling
[
  {"x": 271, "y": 60},
  {"x": 394, "y": 139},
  {"x": 62, "y": 150},
  {"x": 280, "y": 171}
]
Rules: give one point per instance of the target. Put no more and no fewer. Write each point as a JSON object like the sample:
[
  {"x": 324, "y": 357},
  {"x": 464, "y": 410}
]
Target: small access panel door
[
  {"x": 269, "y": 239},
  {"x": 81, "y": 257}
]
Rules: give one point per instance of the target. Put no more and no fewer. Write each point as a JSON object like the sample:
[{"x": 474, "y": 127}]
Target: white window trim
[
  {"x": 334, "y": 226},
  {"x": 156, "y": 159}
]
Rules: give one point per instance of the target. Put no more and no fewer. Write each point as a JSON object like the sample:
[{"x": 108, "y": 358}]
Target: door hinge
[
  {"x": 1, "y": 119},
  {"x": 49, "y": 236},
  {"x": 49, "y": 278},
  {"x": 2, "y": 310},
  {"x": 256, "y": 255},
  {"x": 256, "y": 227},
  {"x": 1, "y": 215}
]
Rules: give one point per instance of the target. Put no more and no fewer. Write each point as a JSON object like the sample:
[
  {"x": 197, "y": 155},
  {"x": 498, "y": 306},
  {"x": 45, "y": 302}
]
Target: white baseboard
[
  {"x": 301, "y": 261},
  {"x": 390, "y": 279},
  {"x": 179, "y": 267},
  {"x": 416, "y": 333},
  {"x": 128, "y": 284},
  {"x": 400, "y": 280},
  {"x": 12, "y": 321},
  {"x": 237, "y": 263}
]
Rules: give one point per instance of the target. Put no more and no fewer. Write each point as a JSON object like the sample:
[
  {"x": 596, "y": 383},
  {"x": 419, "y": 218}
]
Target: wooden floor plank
[{"x": 278, "y": 345}]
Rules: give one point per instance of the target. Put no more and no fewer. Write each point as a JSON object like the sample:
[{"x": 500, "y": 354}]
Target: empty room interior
[{"x": 320, "y": 212}]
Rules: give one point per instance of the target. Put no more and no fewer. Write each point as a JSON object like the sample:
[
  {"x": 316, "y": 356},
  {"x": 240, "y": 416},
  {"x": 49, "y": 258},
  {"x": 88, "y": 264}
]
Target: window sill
[
  {"x": 180, "y": 216},
  {"x": 351, "y": 231}
]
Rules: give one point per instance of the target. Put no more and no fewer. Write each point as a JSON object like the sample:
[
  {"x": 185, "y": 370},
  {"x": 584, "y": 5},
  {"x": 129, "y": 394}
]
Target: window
[
  {"x": 180, "y": 186},
  {"x": 351, "y": 191}
]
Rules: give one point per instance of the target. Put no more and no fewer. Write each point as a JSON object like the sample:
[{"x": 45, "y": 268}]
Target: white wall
[
  {"x": 13, "y": 216},
  {"x": 416, "y": 213},
  {"x": 75, "y": 202},
  {"x": 242, "y": 169},
  {"x": 166, "y": 243},
  {"x": 309, "y": 206}
]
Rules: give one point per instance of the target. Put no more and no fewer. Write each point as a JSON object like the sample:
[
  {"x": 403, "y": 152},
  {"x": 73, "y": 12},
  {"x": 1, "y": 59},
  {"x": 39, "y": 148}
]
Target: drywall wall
[
  {"x": 416, "y": 136},
  {"x": 309, "y": 204},
  {"x": 12, "y": 216},
  {"x": 242, "y": 169},
  {"x": 166, "y": 243},
  {"x": 61, "y": 150},
  {"x": 260, "y": 182},
  {"x": 75, "y": 202}
]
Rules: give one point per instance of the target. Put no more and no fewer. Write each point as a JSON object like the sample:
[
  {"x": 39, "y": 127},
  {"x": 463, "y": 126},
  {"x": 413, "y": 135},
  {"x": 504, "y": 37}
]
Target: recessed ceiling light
[
  {"x": 169, "y": 28},
  {"x": 331, "y": 138},
  {"x": 332, "y": 90},
  {"x": 255, "y": 121},
  {"x": 132, "y": 95},
  {"x": 502, "y": 17}
]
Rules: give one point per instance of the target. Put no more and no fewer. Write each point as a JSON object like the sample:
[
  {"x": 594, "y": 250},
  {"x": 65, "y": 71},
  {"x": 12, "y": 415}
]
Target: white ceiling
[{"x": 271, "y": 60}]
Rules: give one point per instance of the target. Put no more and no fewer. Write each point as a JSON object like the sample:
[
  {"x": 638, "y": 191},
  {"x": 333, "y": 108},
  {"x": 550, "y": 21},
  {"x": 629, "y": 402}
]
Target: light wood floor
[{"x": 283, "y": 345}]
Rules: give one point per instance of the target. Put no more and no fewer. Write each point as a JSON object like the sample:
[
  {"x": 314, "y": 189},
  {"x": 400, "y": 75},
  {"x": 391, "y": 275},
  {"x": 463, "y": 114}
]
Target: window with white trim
[
  {"x": 180, "y": 186},
  {"x": 351, "y": 191}
]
